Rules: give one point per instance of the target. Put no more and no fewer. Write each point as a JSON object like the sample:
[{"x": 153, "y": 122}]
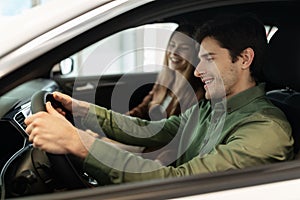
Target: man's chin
[
  {"x": 214, "y": 96},
  {"x": 207, "y": 96}
]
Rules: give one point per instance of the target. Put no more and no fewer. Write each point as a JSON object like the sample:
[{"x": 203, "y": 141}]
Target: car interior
[
  {"x": 282, "y": 76},
  {"x": 28, "y": 171}
]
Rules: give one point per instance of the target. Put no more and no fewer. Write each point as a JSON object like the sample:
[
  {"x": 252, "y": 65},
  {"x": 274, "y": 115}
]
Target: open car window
[{"x": 134, "y": 50}]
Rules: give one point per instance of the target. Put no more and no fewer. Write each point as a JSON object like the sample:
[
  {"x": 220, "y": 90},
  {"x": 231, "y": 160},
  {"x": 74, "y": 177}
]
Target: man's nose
[{"x": 198, "y": 70}]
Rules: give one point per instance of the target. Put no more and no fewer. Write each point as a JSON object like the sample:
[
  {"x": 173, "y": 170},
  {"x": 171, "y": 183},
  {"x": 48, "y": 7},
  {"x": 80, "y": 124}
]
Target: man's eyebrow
[{"x": 207, "y": 55}]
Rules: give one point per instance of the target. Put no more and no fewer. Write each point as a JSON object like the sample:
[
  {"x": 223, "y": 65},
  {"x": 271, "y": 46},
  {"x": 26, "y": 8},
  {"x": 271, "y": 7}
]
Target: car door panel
[{"x": 110, "y": 91}]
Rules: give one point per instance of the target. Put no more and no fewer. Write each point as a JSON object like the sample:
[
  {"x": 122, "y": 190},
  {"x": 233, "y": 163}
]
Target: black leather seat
[{"x": 282, "y": 75}]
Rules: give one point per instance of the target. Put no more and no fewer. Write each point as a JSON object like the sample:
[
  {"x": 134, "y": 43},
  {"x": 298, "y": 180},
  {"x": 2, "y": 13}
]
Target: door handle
[{"x": 87, "y": 86}]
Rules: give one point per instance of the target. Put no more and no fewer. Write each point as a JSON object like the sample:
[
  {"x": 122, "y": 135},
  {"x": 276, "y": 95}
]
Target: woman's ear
[{"x": 247, "y": 57}]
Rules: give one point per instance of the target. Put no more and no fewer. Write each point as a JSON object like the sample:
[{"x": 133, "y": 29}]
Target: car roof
[
  {"x": 18, "y": 41},
  {"x": 19, "y": 29}
]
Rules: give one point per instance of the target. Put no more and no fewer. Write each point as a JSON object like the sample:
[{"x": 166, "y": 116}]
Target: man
[{"x": 236, "y": 127}]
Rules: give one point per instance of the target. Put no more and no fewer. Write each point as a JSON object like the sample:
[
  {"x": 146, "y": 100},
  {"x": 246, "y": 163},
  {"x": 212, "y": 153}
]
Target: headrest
[{"x": 282, "y": 68}]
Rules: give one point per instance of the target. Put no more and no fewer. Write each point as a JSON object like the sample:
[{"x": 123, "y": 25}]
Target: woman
[{"x": 176, "y": 88}]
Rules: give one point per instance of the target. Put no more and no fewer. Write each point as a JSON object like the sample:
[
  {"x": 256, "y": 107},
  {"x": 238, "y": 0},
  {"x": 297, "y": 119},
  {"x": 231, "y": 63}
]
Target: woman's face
[{"x": 180, "y": 52}]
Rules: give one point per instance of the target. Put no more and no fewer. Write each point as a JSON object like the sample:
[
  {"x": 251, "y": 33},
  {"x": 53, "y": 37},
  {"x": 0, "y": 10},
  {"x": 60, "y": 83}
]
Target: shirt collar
[{"x": 245, "y": 97}]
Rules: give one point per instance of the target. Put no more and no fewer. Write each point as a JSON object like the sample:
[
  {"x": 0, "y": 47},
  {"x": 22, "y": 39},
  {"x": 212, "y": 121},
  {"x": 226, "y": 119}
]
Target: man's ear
[{"x": 247, "y": 57}]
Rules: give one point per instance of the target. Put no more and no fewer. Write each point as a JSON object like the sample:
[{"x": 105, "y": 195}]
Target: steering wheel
[{"x": 64, "y": 166}]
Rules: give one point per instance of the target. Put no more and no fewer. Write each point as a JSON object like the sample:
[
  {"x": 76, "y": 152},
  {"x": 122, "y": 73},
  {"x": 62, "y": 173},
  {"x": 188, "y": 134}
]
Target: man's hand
[
  {"x": 51, "y": 132},
  {"x": 76, "y": 107}
]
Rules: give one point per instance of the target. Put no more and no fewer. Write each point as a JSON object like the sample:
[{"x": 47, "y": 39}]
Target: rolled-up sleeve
[{"x": 131, "y": 130}]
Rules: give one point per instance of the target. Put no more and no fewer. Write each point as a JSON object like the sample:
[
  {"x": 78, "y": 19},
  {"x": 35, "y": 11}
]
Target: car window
[
  {"x": 134, "y": 50},
  {"x": 270, "y": 31}
]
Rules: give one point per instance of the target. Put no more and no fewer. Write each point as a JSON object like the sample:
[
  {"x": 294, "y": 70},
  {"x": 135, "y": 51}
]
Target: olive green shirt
[{"x": 249, "y": 132}]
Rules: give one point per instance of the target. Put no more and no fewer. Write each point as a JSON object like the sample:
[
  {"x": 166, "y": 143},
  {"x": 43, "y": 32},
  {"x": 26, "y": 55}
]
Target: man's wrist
[
  {"x": 82, "y": 108},
  {"x": 82, "y": 143}
]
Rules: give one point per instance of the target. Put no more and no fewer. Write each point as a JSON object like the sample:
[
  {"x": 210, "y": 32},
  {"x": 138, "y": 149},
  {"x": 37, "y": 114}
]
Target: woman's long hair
[{"x": 183, "y": 96}]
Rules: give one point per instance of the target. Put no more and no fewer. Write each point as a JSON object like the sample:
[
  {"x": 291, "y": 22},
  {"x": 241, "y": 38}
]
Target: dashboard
[{"x": 16, "y": 106}]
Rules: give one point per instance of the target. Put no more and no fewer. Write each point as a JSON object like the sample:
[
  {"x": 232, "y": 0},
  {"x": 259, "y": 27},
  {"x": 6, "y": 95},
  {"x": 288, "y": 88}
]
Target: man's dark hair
[{"x": 236, "y": 33}]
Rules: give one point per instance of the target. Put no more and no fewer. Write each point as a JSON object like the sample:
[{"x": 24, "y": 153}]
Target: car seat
[{"x": 282, "y": 76}]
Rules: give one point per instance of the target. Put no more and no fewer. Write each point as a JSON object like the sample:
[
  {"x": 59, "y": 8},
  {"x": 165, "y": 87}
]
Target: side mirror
[{"x": 66, "y": 66}]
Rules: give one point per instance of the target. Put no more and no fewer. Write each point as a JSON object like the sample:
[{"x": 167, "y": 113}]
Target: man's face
[{"x": 220, "y": 76}]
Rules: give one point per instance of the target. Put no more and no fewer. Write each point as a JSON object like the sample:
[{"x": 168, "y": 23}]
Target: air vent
[{"x": 19, "y": 118}]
